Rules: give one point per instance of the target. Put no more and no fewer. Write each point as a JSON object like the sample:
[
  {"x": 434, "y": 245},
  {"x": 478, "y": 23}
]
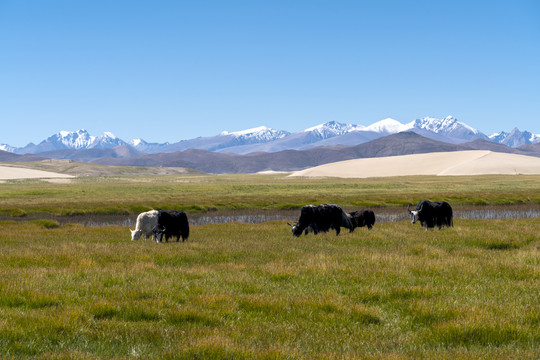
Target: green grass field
[
  {"x": 242, "y": 291},
  {"x": 224, "y": 192},
  {"x": 252, "y": 291}
]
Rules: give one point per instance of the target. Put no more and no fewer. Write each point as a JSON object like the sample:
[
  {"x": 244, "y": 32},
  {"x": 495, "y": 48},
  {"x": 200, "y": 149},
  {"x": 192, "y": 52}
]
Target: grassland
[
  {"x": 243, "y": 291},
  {"x": 252, "y": 291},
  {"x": 207, "y": 192}
]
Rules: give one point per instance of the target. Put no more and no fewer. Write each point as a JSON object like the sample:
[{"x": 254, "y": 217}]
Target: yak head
[
  {"x": 158, "y": 233},
  {"x": 296, "y": 230},
  {"x": 414, "y": 214},
  {"x": 135, "y": 234}
]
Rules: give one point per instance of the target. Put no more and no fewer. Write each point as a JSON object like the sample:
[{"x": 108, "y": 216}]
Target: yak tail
[
  {"x": 185, "y": 231},
  {"x": 184, "y": 226},
  {"x": 346, "y": 221}
]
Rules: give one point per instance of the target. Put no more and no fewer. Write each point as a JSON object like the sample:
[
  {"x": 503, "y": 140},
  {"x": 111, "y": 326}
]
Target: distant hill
[
  {"x": 75, "y": 168},
  {"x": 87, "y": 155},
  {"x": 530, "y": 149},
  {"x": 288, "y": 160},
  {"x": 6, "y": 156},
  {"x": 403, "y": 143}
]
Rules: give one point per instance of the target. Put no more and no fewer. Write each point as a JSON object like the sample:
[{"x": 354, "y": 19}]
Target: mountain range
[
  {"x": 264, "y": 139},
  {"x": 291, "y": 160},
  {"x": 263, "y": 148}
]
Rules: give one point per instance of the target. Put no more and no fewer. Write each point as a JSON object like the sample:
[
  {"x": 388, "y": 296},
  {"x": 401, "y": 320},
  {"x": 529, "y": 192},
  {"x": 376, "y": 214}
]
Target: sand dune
[
  {"x": 475, "y": 162},
  {"x": 11, "y": 173}
]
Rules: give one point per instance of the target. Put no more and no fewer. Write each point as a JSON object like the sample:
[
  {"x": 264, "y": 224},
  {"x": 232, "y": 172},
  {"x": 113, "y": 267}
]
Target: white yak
[{"x": 146, "y": 224}]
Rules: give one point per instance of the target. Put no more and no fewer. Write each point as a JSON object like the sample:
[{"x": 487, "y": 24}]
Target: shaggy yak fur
[
  {"x": 172, "y": 223},
  {"x": 431, "y": 214},
  {"x": 146, "y": 225},
  {"x": 362, "y": 218},
  {"x": 321, "y": 218}
]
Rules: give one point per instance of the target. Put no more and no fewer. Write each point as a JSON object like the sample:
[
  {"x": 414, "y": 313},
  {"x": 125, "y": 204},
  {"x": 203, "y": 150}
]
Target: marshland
[{"x": 73, "y": 286}]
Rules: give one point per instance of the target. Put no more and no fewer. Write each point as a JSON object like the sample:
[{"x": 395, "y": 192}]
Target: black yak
[
  {"x": 321, "y": 218},
  {"x": 172, "y": 223},
  {"x": 431, "y": 214},
  {"x": 362, "y": 218}
]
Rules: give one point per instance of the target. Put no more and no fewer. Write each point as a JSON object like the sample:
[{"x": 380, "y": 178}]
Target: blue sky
[{"x": 173, "y": 70}]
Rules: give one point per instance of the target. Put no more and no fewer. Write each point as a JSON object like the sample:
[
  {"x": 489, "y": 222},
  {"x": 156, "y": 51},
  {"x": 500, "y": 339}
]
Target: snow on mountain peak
[
  {"x": 255, "y": 135},
  {"x": 498, "y": 136},
  {"x": 332, "y": 128},
  {"x": 447, "y": 129},
  {"x": 514, "y": 138},
  {"x": 442, "y": 126},
  {"x": 74, "y": 139},
  {"x": 387, "y": 125},
  {"x": 6, "y": 147},
  {"x": 81, "y": 139},
  {"x": 107, "y": 140},
  {"x": 109, "y": 135},
  {"x": 137, "y": 142},
  {"x": 249, "y": 131}
]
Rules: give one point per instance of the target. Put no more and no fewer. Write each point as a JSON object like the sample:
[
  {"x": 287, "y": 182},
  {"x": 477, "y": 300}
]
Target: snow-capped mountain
[
  {"x": 331, "y": 129},
  {"x": 221, "y": 142},
  {"x": 386, "y": 127},
  {"x": 6, "y": 147},
  {"x": 73, "y": 140},
  {"x": 147, "y": 147},
  {"x": 261, "y": 134},
  {"x": 515, "y": 138},
  {"x": 449, "y": 127},
  {"x": 498, "y": 137},
  {"x": 304, "y": 139},
  {"x": 265, "y": 139},
  {"x": 106, "y": 141},
  {"x": 80, "y": 139}
]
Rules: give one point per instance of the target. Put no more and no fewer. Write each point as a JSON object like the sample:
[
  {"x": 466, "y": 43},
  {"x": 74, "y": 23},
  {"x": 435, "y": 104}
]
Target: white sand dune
[
  {"x": 11, "y": 173},
  {"x": 474, "y": 162}
]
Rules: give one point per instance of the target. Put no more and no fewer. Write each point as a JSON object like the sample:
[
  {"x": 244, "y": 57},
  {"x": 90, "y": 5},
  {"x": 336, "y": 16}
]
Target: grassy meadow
[
  {"x": 252, "y": 291},
  {"x": 196, "y": 193}
]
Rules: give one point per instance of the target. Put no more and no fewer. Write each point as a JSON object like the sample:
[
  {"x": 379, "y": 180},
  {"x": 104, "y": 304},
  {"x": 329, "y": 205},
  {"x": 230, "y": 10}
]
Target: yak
[
  {"x": 362, "y": 218},
  {"x": 172, "y": 223},
  {"x": 146, "y": 224},
  {"x": 431, "y": 214},
  {"x": 321, "y": 218}
]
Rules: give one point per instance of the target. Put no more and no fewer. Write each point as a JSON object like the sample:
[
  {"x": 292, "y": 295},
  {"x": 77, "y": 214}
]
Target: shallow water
[{"x": 488, "y": 212}]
